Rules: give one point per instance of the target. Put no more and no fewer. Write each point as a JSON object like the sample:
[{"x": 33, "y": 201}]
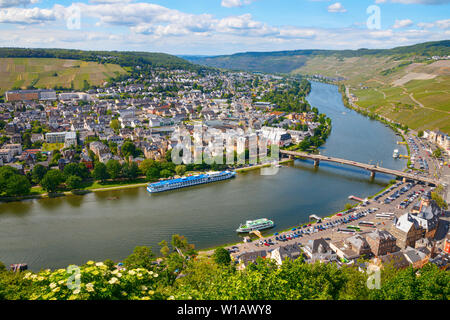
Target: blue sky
[{"x": 220, "y": 26}]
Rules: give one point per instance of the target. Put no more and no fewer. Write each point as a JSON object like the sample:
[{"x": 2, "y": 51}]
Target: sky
[{"x": 214, "y": 27}]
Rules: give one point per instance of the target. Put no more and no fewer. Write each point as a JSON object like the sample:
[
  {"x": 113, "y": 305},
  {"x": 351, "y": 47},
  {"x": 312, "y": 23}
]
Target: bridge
[{"x": 317, "y": 158}]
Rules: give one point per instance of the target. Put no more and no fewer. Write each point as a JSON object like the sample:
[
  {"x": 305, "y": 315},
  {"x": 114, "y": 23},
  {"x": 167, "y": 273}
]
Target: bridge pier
[
  {"x": 372, "y": 174},
  {"x": 316, "y": 163}
]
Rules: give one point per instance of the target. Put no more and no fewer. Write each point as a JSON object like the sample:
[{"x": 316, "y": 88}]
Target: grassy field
[
  {"x": 49, "y": 72},
  {"x": 52, "y": 146},
  {"x": 415, "y": 94}
]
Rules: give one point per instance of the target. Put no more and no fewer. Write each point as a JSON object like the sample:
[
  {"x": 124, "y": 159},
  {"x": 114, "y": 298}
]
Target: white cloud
[
  {"x": 235, "y": 3},
  {"x": 443, "y": 24},
  {"x": 425, "y": 25},
  {"x": 336, "y": 7},
  {"x": 27, "y": 16},
  {"x": 131, "y": 25},
  {"x": 15, "y": 3},
  {"x": 402, "y": 23}
]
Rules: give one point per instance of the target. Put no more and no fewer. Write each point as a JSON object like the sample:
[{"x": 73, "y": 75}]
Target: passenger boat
[
  {"x": 395, "y": 154},
  {"x": 253, "y": 225},
  {"x": 189, "y": 181}
]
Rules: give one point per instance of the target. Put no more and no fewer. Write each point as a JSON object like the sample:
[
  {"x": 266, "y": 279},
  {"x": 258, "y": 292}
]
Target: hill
[
  {"x": 288, "y": 61},
  {"x": 47, "y": 68},
  {"x": 404, "y": 84},
  {"x": 50, "y": 72}
]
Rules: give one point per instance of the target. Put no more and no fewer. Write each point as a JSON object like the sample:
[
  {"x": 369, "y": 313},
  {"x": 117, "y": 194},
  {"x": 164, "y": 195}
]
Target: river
[{"x": 53, "y": 233}]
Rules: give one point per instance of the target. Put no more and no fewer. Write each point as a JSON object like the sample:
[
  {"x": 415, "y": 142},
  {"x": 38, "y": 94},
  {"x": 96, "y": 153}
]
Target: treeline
[
  {"x": 181, "y": 274},
  {"x": 122, "y": 58}
]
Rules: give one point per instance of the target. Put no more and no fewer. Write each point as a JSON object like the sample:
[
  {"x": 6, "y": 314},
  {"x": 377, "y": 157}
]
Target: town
[{"x": 130, "y": 120}]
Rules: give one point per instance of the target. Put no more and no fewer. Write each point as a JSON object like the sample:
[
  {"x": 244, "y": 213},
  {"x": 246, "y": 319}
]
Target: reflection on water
[{"x": 108, "y": 225}]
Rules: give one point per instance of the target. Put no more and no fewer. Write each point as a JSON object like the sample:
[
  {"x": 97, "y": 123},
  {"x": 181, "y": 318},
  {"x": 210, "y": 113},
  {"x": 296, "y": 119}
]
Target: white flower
[
  {"x": 99, "y": 264},
  {"x": 52, "y": 285},
  {"x": 144, "y": 288},
  {"x": 132, "y": 272},
  {"x": 171, "y": 298},
  {"x": 119, "y": 275},
  {"x": 90, "y": 287},
  {"x": 76, "y": 291},
  {"x": 113, "y": 280},
  {"x": 155, "y": 275}
]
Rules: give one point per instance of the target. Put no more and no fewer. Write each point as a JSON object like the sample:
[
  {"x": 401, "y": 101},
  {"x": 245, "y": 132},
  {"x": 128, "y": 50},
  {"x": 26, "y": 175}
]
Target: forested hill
[
  {"x": 288, "y": 61},
  {"x": 122, "y": 58}
]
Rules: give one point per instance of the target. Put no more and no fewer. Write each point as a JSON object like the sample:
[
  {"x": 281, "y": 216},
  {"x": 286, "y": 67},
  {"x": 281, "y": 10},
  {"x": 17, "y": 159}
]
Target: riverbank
[{"x": 39, "y": 194}]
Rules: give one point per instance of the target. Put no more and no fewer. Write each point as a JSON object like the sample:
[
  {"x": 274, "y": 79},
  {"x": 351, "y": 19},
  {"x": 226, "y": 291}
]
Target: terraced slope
[{"x": 50, "y": 72}]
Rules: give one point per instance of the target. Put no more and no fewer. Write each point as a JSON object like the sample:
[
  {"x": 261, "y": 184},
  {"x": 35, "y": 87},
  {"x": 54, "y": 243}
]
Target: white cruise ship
[{"x": 189, "y": 181}]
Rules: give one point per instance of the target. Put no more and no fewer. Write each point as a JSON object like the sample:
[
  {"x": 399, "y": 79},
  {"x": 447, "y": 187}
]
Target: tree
[
  {"x": 142, "y": 257},
  {"x": 147, "y": 164},
  {"x": 437, "y": 153},
  {"x": 166, "y": 173},
  {"x": 74, "y": 182},
  {"x": 51, "y": 180},
  {"x": 100, "y": 172},
  {"x": 180, "y": 170},
  {"x": 128, "y": 149},
  {"x": 222, "y": 256},
  {"x": 348, "y": 206},
  {"x": 17, "y": 185},
  {"x": 38, "y": 173},
  {"x": 131, "y": 171},
  {"x": 115, "y": 125},
  {"x": 114, "y": 168},
  {"x": 440, "y": 202},
  {"x": 73, "y": 169},
  {"x": 153, "y": 173},
  {"x": 420, "y": 133}
]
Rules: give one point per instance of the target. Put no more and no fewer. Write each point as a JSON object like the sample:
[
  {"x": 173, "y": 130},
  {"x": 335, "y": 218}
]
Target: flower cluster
[{"x": 93, "y": 281}]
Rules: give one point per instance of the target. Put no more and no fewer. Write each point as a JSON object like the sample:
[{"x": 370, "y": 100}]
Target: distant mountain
[{"x": 288, "y": 61}]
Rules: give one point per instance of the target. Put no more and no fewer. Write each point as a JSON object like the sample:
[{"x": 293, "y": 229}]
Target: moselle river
[{"x": 52, "y": 233}]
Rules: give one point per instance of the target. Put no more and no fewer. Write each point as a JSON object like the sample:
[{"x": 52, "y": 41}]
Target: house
[
  {"x": 396, "y": 260},
  {"x": 15, "y": 148},
  {"x": 6, "y": 155},
  {"x": 319, "y": 250},
  {"x": 250, "y": 257},
  {"x": 351, "y": 248},
  {"x": 415, "y": 257},
  {"x": 427, "y": 215},
  {"x": 406, "y": 230},
  {"x": 381, "y": 242},
  {"x": 291, "y": 251}
]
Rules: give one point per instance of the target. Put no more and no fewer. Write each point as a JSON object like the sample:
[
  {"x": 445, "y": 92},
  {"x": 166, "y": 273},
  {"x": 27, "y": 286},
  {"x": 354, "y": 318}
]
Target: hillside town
[{"x": 92, "y": 126}]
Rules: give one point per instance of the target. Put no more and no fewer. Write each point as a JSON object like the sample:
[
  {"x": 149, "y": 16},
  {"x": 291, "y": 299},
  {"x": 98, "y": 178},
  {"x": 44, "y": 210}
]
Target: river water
[{"x": 53, "y": 233}]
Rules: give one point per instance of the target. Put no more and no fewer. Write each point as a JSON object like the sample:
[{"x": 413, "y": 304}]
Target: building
[
  {"x": 395, "y": 259},
  {"x": 27, "y": 95},
  {"x": 351, "y": 248},
  {"x": 69, "y": 138},
  {"x": 14, "y": 147},
  {"x": 427, "y": 212},
  {"x": 319, "y": 250},
  {"x": 381, "y": 242},
  {"x": 291, "y": 251},
  {"x": 6, "y": 155},
  {"x": 250, "y": 257},
  {"x": 406, "y": 230}
]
